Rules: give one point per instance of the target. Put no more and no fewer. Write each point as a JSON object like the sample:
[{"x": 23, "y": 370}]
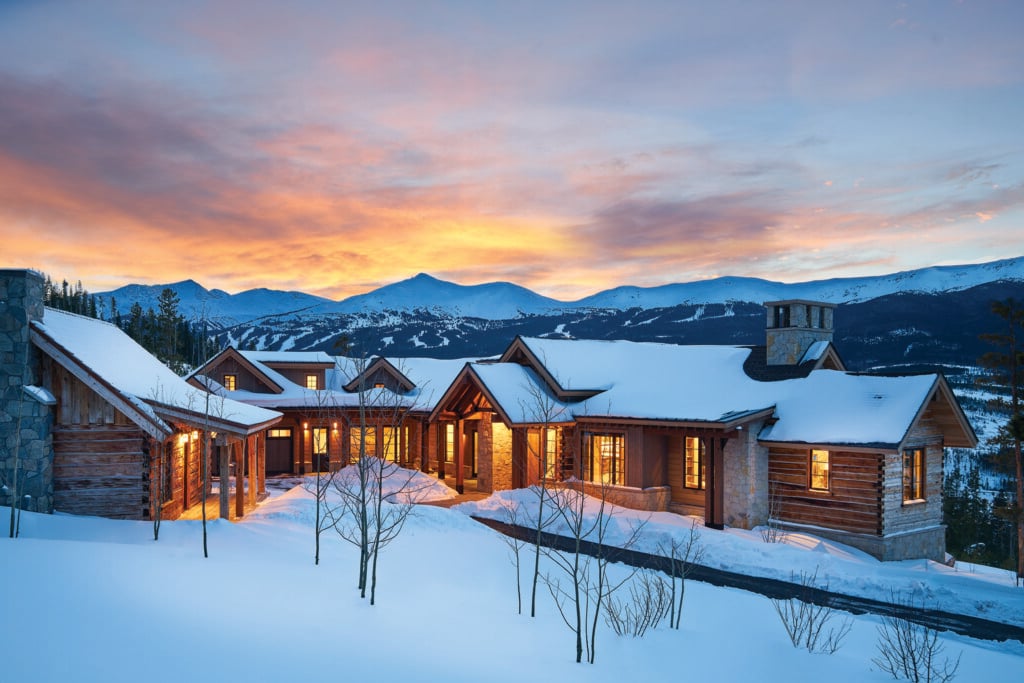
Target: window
[
  {"x": 279, "y": 433},
  {"x": 320, "y": 456},
  {"x": 449, "y": 443},
  {"x": 913, "y": 474},
  {"x": 378, "y": 385},
  {"x": 230, "y": 382},
  {"x": 782, "y": 316},
  {"x": 607, "y": 460},
  {"x": 550, "y": 452},
  {"x": 693, "y": 474},
  {"x": 542, "y": 444},
  {"x": 391, "y": 447},
  {"x": 362, "y": 437},
  {"x": 819, "y": 479},
  {"x": 311, "y": 382}
]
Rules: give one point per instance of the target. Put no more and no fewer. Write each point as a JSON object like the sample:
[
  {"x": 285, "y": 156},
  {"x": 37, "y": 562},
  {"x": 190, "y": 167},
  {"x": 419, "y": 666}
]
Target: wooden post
[
  {"x": 441, "y": 441},
  {"x": 224, "y": 467},
  {"x": 714, "y": 515},
  {"x": 240, "y": 449},
  {"x": 261, "y": 463},
  {"x": 251, "y": 442},
  {"x": 460, "y": 454}
]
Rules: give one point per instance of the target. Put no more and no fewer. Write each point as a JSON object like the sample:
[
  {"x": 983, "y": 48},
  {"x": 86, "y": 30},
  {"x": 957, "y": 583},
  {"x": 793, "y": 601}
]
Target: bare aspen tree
[
  {"x": 682, "y": 555},
  {"x": 376, "y": 496},
  {"x": 514, "y": 515},
  {"x": 807, "y": 624},
  {"x": 584, "y": 567},
  {"x": 542, "y": 409},
  {"x": 910, "y": 651}
]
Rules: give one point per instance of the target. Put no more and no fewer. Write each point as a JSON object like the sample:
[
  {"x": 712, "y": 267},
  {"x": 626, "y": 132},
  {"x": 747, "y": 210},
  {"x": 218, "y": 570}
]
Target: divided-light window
[
  {"x": 606, "y": 461},
  {"x": 311, "y": 382},
  {"x": 693, "y": 475},
  {"x": 230, "y": 382},
  {"x": 913, "y": 474},
  {"x": 820, "y": 479}
]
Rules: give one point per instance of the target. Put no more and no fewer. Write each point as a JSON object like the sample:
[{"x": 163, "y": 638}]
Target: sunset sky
[{"x": 334, "y": 147}]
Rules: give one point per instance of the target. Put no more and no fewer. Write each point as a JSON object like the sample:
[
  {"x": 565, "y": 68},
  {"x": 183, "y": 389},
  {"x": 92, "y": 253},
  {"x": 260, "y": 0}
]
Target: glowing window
[
  {"x": 693, "y": 475},
  {"x": 607, "y": 459},
  {"x": 311, "y": 382},
  {"x": 230, "y": 382},
  {"x": 913, "y": 474},
  {"x": 362, "y": 441},
  {"x": 279, "y": 433},
  {"x": 449, "y": 443},
  {"x": 820, "y": 479}
]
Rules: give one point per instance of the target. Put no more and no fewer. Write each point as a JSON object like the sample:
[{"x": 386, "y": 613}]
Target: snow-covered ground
[{"x": 88, "y": 599}]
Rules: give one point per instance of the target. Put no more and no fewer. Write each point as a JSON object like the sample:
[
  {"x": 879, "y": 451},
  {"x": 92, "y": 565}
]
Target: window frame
[
  {"x": 230, "y": 381},
  {"x": 825, "y": 471},
  {"x": 596, "y": 450},
  {"x": 914, "y": 471},
  {"x": 313, "y": 381},
  {"x": 694, "y": 464}
]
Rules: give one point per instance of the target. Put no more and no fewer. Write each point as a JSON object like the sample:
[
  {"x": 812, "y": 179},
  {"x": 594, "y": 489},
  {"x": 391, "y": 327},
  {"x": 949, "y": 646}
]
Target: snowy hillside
[
  {"x": 504, "y": 301},
  {"x": 97, "y": 600}
]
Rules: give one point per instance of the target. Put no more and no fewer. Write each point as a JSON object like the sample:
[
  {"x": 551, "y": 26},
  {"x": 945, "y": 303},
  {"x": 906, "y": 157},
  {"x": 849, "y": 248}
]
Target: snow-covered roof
[
  {"x": 121, "y": 364},
  {"x": 521, "y": 395},
  {"x": 318, "y": 357},
  {"x": 665, "y": 382}
]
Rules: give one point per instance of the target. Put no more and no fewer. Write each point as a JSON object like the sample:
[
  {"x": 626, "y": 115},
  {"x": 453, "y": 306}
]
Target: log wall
[
  {"x": 102, "y": 470},
  {"x": 853, "y": 504}
]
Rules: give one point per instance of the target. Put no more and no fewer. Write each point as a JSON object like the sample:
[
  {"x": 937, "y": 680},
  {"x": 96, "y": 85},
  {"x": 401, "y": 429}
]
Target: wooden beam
[
  {"x": 261, "y": 463},
  {"x": 251, "y": 443},
  {"x": 224, "y": 467},
  {"x": 460, "y": 454},
  {"x": 240, "y": 449}
]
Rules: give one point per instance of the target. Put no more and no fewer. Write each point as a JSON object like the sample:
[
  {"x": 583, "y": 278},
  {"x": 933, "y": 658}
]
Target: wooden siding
[
  {"x": 680, "y": 494},
  {"x": 101, "y": 471},
  {"x": 77, "y": 404},
  {"x": 900, "y": 517},
  {"x": 245, "y": 379},
  {"x": 853, "y": 503}
]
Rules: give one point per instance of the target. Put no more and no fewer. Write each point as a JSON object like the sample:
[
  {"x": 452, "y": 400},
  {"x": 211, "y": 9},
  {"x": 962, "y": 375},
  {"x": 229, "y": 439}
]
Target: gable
[
  {"x": 381, "y": 373},
  {"x": 250, "y": 377}
]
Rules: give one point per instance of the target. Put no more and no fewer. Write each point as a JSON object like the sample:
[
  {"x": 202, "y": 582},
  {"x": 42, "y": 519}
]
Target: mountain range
[
  {"x": 503, "y": 300},
  {"x": 916, "y": 320}
]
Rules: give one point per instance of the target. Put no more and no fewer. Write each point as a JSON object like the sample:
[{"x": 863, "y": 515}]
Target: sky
[{"x": 570, "y": 147}]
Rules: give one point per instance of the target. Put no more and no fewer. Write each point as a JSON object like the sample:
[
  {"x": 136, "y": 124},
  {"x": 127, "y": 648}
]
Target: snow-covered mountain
[
  {"x": 214, "y": 305},
  {"x": 504, "y": 301}
]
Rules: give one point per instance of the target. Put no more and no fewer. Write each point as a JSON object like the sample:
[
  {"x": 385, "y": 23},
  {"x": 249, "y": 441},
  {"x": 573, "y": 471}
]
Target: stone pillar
[{"x": 26, "y": 416}]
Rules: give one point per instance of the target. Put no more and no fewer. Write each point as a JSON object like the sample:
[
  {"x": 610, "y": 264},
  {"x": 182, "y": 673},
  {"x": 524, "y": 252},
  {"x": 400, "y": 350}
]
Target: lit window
[
  {"x": 311, "y": 382},
  {"x": 693, "y": 477},
  {"x": 607, "y": 461},
  {"x": 449, "y": 443},
  {"x": 390, "y": 444},
  {"x": 820, "y": 479},
  {"x": 913, "y": 474},
  {"x": 230, "y": 382},
  {"x": 378, "y": 385},
  {"x": 550, "y": 452},
  {"x": 362, "y": 440},
  {"x": 279, "y": 433},
  {"x": 320, "y": 456}
]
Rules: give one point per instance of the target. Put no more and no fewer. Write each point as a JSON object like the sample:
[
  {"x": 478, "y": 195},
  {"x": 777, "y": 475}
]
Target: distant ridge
[{"x": 504, "y": 300}]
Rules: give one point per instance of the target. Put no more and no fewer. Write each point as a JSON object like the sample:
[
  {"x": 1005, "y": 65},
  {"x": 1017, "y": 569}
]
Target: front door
[{"x": 279, "y": 451}]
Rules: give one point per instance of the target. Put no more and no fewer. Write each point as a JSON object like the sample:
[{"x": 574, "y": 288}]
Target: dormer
[{"x": 794, "y": 326}]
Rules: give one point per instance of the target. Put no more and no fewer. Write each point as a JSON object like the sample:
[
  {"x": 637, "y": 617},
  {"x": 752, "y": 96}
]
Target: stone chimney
[
  {"x": 794, "y": 326},
  {"x": 26, "y": 415}
]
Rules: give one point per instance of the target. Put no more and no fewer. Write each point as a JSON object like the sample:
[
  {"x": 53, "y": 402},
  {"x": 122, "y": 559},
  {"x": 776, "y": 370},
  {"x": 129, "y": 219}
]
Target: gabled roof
[
  {"x": 379, "y": 364},
  {"x": 711, "y": 385},
  {"x": 258, "y": 370},
  {"x": 130, "y": 378},
  {"x": 515, "y": 392}
]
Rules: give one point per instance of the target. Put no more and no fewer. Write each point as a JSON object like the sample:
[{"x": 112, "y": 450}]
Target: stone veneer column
[{"x": 21, "y": 301}]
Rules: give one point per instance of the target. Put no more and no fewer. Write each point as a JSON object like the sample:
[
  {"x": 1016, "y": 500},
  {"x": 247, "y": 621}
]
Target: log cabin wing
[
  {"x": 723, "y": 433},
  {"x": 125, "y": 428}
]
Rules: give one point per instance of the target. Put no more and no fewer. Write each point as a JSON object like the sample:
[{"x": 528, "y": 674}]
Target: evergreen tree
[{"x": 1006, "y": 367}]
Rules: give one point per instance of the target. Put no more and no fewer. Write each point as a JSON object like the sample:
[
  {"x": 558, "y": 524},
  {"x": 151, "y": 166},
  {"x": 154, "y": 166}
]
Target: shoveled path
[{"x": 776, "y": 589}]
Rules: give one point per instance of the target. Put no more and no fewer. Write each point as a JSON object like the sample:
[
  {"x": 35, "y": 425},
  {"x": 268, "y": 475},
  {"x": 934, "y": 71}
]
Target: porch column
[
  {"x": 224, "y": 468},
  {"x": 460, "y": 454},
  {"x": 261, "y": 463},
  {"x": 240, "y": 451},
  {"x": 251, "y": 441},
  {"x": 441, "y": 442},
  {"x": 714, "y": 516}
]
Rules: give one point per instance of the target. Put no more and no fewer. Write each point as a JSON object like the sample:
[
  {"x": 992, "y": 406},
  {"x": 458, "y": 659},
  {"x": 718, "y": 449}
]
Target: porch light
[{"x": 305, "y": 425}]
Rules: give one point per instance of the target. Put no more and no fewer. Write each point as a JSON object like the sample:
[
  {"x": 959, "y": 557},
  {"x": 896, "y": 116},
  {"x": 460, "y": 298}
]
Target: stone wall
[
  {"x": 745, "y": 502},
  {"x": 25, "y": 418},
  {"x": 501, "y": 458},
  {"x": 809, "y": 322},
  {"x": 651, "y": 499}
]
